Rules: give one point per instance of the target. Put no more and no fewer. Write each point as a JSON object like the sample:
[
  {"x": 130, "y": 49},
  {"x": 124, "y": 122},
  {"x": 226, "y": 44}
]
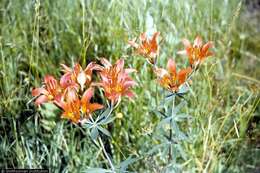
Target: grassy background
[{"x": 35, "y": 36}]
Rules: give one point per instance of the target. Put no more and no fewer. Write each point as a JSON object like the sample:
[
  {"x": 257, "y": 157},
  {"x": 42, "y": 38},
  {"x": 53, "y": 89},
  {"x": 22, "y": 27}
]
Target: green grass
[{"x": 36, "y": 36}]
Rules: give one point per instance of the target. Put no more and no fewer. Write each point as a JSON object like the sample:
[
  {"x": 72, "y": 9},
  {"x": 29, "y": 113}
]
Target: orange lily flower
[
  {"x": 74, "y": 107},
  {"x": 170, "y": 78},
  {"x": 77, "y": 75},
  {"x": 71, "y": 110},
  {"x": 196, "y": 52},
  {"x": 50, "y": 91},
  {"x": 148, "y": 47},
  {"x": 86, "y": 107},
  {"x": 116, "y": 81}
]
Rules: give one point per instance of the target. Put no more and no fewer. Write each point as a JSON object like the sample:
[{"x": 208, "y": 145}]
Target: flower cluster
[
  {"x": 75, "y": 89},
  {"x": 170, "y": 79}
]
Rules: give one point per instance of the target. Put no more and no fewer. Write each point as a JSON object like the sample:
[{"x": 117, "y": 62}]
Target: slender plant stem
[
  {"x": 170, "y": 147},
  {"x": 107, "y": 156},
  {"x": 170, "y": 136}
]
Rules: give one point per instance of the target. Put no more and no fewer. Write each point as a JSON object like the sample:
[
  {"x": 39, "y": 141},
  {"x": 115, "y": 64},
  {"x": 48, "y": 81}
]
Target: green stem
[
  {"x": 170, "y": 148},
  {"x": 107, "y": 156}
]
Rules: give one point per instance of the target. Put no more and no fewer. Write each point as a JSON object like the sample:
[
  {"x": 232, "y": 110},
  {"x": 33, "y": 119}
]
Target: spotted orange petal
[
  {"x": 183, "y": 74},
  {"x": 41, "y": 99},
  {"x": 171, "y": 66},
  {"x": 88, "y": 94},
  {"x": 39, "y": 91},
  {"x": 95, "y": 106}
]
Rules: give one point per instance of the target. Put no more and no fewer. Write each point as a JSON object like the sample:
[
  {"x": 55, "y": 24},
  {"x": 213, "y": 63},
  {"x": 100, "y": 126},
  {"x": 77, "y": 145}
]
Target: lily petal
[
  {"x": 130, "y": 70},
  {"x": 160, "y": 72},
  {"x": 183, "y": 74},
  {"x": 65, "y": 80},
  {"x": 197, "y": 42},
  {"x": 207, "y": 46},
  {"x": 41, "y": 99},
  {"x": 39, "y": 91},
  {"x": 130, "y": 83},
  {"x": 171, "y": 66},
  {"x": 66, "y": 69},
  {"x": 88, "y": 94},
  {"x": 142, "y": 36},
  {"x": 154, "y": 44},
  {"x": 95, "y": 106},
  {"x": 120, "y": 63},
  {"x": 133, "y": 43},
  {"x": 105, "y": 62},
  {"x": 77, "y": 68},
  {"x": 186, "y": 43},
  {"x": 58, "y": 100},
  {"x": 71, "y": 94},
  {"x": 130, "y": 94},
  {"x": 48, "y": 78},
  {"x": 93, "y": 66},
  {"x": 155, "y": 35}
]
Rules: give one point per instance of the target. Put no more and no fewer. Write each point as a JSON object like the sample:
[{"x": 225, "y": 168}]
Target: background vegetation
[{"x": 224, "y": 131}]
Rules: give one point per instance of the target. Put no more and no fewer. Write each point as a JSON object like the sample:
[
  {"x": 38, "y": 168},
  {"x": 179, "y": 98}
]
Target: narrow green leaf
[
  {"x": 94, "y": 133},
  {"x": 160, "y": 113},
  {"x": 179, "y": 106},
  {"x": 104, "y": 131},
  {"x": 164, "y": 122},
  {"x": 106, "y": 120},
  {"x": 104, "y": 114},
  {"x": 182, "y": 153}
]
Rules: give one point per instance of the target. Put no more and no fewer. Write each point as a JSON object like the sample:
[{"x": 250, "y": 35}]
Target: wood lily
[
  {"x": 196, "y": 52},
  {"x": 77, "y": 75},
  {"x": 115, "y": 80},
  {"x": 147, "y": 48},
  {"x": 50, "y": 91},
  {"x": 76, "y": 109},
  {"x": 170, "y": 78}
]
